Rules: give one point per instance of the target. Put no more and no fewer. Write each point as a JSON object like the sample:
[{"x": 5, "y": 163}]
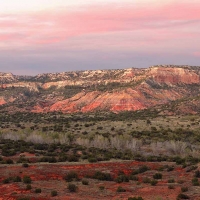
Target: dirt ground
[{"x": 49, "y": 177}]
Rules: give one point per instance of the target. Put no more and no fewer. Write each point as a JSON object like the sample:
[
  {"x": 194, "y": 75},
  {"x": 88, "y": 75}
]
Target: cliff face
[{"x": 105, "y": 90}]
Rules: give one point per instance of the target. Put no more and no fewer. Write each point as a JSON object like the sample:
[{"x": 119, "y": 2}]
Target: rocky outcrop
[
  {"x": 2, "y": 101},
  {"x": 108, "y": 90}
]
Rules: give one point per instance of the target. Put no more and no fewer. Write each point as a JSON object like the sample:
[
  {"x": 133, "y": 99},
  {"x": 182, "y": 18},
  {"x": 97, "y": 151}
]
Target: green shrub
[
  {"x": 182, "y": 196},
  {"x": 25, "y": 165},
  {"x": 9, "y": 161},
  {"x": 17, "y": 179},
  {"x": 38, "y": 190},
  {"x": 171, "y": 186},
  {"x": 121, "y": 189},
  {"x": 6, "y": 181},
  {"x": 101, "y": 187},
  {"x": 135, "y": 198},
  {"x": 72, "y": 187},
  {"x": 154, "y": 182},
  {"x": 141, "y": 169},
  {"x": 197, "y": 174},
  {"x": 195, "y": 182},
  {"x": 70, "y": 176},
  {"x": 54, "y": 193},
  {"x": 92, "y": 160},
  {"x": 157, "y": 176},
  {"x": 23, "y": 198},
  {"x": 133, "y": 177},
  {"x": 146, "y": 180},
  {"x": 85, "y": 182},
  {"x": 171, "y": 181},
  {"x": 102, "y": 176},
  {"x": 184, "y": 189},
  {"x": 28, "y": 187},
  {"x": 27, "y": 179},
  {"x": 122, "y": 178}
]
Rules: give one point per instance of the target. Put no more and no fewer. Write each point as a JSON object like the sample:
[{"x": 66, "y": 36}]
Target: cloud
[
  {"x": 61, "y": 25},
  {"x": 147, "y": 27}
]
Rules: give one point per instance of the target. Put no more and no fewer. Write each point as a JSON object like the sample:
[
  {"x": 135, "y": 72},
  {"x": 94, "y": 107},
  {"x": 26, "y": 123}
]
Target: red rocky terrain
[
  {"x": 104, "y": 90},
  {"x": 49, "y": 177}
]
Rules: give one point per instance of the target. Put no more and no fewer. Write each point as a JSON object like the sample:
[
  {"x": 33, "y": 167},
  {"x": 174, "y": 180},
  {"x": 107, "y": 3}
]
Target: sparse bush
[
  {"x": 54, "y": 193},
  {"x": 9, "y": 161},
  {"x": 28, "y": 187},
  {"x": 121, "y": 189},
  {"x": 6, "y": 181},
  {"x": 17, "y": 179},
  {"x": 157, "y": 176},
  {"x": 171, "y": 186},
  {"x": 122, "y": 178},
  {"x": 154, "y": 182},
  {"x": 72, "y": 187},
  {"x": 27, "y": 179},
  {"x": 135, "y": 198},
  {"x": 195, "y": 182},
  {"x": 197, "y": 174},
  {"x": 71, "y": 176},
  {"x": 25, "y": 165},
  {"x": 102, "y": 176},
  {"x": 171, "y": 181},
  {"x": 85, "y": 182},
  {"x": 182, "y": 196},
  {"x": 38, "y": 190},
  {"x": 146, "y": 180},
  {"x": 184, "y": 189},
  {"x": 101, "y": 187}
]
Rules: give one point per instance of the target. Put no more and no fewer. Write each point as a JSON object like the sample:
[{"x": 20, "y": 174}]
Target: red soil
[{"x": 49, "y": 177}]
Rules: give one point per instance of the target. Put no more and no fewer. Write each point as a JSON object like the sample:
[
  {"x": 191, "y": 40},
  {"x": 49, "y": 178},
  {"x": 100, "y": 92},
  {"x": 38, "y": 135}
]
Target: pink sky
[{"x": 52, "y": 36}]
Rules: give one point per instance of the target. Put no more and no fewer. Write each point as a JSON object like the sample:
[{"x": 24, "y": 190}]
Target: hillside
[{"x": 103, "y": 90}]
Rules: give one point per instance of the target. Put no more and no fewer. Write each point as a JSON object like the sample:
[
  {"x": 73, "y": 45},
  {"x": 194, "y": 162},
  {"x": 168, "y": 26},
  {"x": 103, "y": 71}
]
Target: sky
[{"x": 43, "y": 36}]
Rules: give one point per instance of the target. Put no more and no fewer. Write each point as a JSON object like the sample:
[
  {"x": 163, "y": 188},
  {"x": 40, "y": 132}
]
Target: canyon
[{"x": 102, "y": 90}]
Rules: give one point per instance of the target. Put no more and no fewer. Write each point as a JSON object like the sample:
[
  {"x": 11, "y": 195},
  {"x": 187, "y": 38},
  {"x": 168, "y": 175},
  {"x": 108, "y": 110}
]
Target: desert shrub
[
  {"x": 9, "y": 161},
  {"x": 72, "y": 187},
  {"x": 133, "y": 177},
  {"x": 182, "y": 196},
  {"x": 180, "y": 181},
  {"x": 92, "y": 160},
  {"x": 27, "y": 179},
  {"x": 184, "y": 189},
  {"x": 101, "y": 187},
  {"x": 171, "y": 181},
  {"x": 17, "y": 179},
  {"x": 154, "y": 182},
  {"x": 70, "y": 176},
  {"x": 54, "y": 193},
  {"x": 157, "y": 176},
  {"x": 141, "y": 169},
  {"x": 146, "y": 180},
  {"x": 122, "y": 178},
  {"x": 6, "y": 181},
  {"x": 52, "y": 159},
  {"x": 197, "y": 174},
  {"x": 38, "y": 190},
  {"x": 135, "y": 198},
  {"x": 195, "y": 182},
  {"x": 85, "y": 182},
  {"x": 73, "y": 158},
  {"x": 121, "y": 189},
  {"x": 102, "y": 176},
  {"x": 25, "y": 165},
  {"x": 28, "y": 187},
  {"x": 171, "y": 186},
  {"x": 170, "y": 168},
  {"x": 23, "y": 198}
]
